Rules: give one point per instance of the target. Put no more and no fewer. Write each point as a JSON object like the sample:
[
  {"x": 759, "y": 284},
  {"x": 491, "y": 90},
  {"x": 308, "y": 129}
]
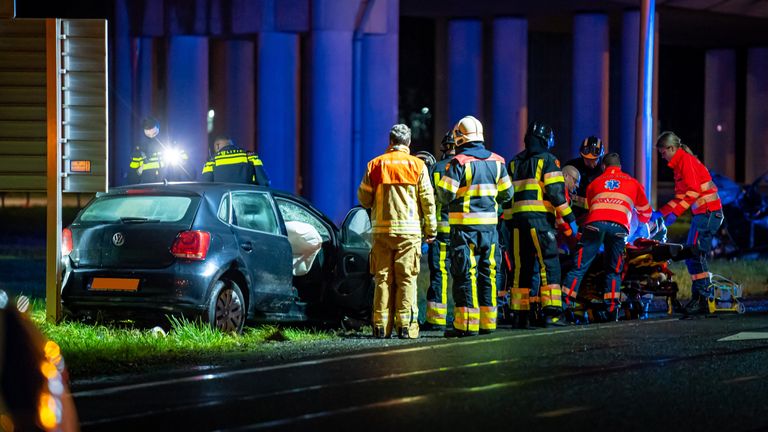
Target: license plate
[{"x": 114, "y": 284}]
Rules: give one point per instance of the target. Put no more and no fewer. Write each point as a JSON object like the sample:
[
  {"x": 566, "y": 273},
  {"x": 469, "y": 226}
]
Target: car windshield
[{"x": 137, "y": 209}]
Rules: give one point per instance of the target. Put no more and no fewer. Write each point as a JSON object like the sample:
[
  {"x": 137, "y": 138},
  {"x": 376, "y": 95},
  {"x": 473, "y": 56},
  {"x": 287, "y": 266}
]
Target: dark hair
[
  {"x": 612, "y": 159},
  {"x": 150, "y": 123}
]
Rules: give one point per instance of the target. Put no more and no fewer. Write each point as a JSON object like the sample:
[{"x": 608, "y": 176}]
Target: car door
[
  {"x": 264, "y": 247},
  {"x": 353, "y": 288}
]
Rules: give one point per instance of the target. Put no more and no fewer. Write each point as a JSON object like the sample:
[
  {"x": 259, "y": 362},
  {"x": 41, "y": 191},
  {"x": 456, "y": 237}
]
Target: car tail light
[
  {"x": 66, "y": 242},
  {"x": 191, "y": 245}
]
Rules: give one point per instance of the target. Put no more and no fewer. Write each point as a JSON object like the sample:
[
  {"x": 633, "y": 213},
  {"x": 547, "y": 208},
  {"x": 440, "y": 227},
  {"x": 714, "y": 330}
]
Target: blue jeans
[
  {"x": 594, "y": 235},
  {"x": 703, "y": 228}
]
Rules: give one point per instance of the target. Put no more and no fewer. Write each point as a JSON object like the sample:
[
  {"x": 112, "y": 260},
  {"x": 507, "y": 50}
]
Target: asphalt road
[{"x": 664, "y": 374}]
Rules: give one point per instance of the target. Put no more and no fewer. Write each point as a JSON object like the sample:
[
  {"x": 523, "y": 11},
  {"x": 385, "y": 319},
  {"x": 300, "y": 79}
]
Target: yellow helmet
[{"x": 467, "y": 130}]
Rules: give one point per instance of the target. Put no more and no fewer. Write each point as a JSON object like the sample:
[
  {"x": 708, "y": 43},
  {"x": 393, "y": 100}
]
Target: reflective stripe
[
  {"x": 443, "y": 227},
  {"x": 706, "y": 199},
  {"x": 551, "y": 295},
  {"x": 488, "y": 317},
  {"x": 477, "y": 190},
  {"x": 614, "y": 196},
  {"x": 492, "y": 269},
  {"x": 643, "y": 208},
  {"x": 539, "y": 169},
  {"x": 532, "y": 206},
  {"x": 613, "y": 295},
  {"x": 553, "y": 177},
  {"x": 231, "y": 160},
  {"x": 519, "y": 298},
  {"x": 607, "y": 206},
  {"x": 473, "y": 274},
  {"x": 698, "y": 276},
  {"x": 563, "y": 210},
  {"x": 468, "y": 181},
  {"x": 478, "y": 218},
  {"x": 443, "y": 273},
  {"x": 467, "y": 319},
  {"x": 448, "y": 184},
  {"x": 708, "y": 185},
  {"x": 692, "y": 194}
]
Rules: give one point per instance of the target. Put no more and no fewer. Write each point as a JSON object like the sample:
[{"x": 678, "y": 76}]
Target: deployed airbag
[{"x": 305, "y": 244}]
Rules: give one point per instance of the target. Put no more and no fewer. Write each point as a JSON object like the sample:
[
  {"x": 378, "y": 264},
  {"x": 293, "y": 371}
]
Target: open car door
[{"x": 352, "y": 290}]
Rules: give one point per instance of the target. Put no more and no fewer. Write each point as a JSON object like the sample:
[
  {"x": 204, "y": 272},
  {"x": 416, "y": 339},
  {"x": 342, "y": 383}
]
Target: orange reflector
[
  {"x": 80, "y": 166},
  {"x": 114, "y": 284}
]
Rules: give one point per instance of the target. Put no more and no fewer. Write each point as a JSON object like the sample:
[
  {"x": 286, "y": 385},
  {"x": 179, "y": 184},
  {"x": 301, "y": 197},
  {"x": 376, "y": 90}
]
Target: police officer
[
  {"x": 231, "y": 164},
  {"x": 154, "y": 161},
  {"x": 473, "y": 185},
  {"x": 611, "y": 199},
  {"x": 539, "y": 198},
  {"x": 588, "y": 165},
  {"x": 694, "y": 189},
  {"x": 439, "y": 251}
]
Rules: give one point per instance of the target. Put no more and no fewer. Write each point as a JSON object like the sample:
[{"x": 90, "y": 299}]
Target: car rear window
[{"x": 150, "y": 208}]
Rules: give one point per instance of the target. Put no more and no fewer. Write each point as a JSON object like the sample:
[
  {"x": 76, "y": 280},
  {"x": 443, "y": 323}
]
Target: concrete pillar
[
  {"x": 510, "y": 85},
  {"x": 187, "y": 98},
  {"x": 378, "y": 92},
  {"x": 144, "y": 99},
  {"x": 590, "y": 78},
  {"x": 239, "y": 90},
  {"x": 277, "y": 113},
  {"x": 630, "y": 36},
  {"x": 646, "y": 67},
  {"x": 720, "y": 112},
  {"x": 121, "y": 123},
  {"x": 327, "y": 181},
  {"x": 757, "y": 114},
  {"x": 465, "y": 81}
]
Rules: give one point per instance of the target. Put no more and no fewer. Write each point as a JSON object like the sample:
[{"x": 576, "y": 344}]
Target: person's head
[
  {"x": 572, "y": 177},
  {"x": 468, "y": 129},
  {"x": 400, "y": 135},
  {"x": 612, "y": 160},
  {"x": 220, "y": 142},
  {"x": 151, "y": 127},
  {"x": 427, "y": 157},
  {"x": 668, "y": 144},
  {"x": 539, "y": 133},
  {"x": 448, "y": 145},
  {"x": 591, "y": 150}
]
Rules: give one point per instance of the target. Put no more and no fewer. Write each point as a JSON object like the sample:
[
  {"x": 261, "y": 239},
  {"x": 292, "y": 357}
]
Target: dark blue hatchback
[{"x": 225, "y": 252}]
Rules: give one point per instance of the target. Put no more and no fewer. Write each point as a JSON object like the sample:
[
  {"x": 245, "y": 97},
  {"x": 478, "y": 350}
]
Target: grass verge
[
  {"x": 93, "y": 350},
  {"x": 751, "y": 275}
]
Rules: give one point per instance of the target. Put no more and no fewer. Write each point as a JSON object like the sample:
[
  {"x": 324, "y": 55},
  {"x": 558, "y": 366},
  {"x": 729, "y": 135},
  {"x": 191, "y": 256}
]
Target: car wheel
[{"x": 226, "y": 307}]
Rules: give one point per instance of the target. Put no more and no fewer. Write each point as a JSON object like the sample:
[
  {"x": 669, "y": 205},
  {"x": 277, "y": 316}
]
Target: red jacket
[
  {"x": 694, "y": 187},
  {"x": 612, "y": 196}
]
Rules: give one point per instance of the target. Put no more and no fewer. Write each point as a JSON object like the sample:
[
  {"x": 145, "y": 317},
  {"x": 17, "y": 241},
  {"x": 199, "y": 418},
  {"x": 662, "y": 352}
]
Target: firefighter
[
  {"x": 154, "y": 161},
  {"x": 694, "y": 189},
  {"x": 539, "y": 199},
  {"x": 474, "y": 184},
  {"x": 231, "y": 164},
  {"x": 397, "y": 190},
  {"x": 611, "y": 198},
  {"x": 439, "y": 251},
  {"x": 589, "y": 167}
]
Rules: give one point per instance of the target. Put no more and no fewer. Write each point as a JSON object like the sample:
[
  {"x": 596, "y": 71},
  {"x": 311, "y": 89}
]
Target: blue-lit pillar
[
  {"x": 187, "y": 98},
  {"x": 645, "y": 91},
  {"x": 239, "y": 87},
  {"x": 378, "y": 89},
  {"x": 510, "y": 85},
  {"x": 757, "y": 114},
  {"x": 720, "y": 112},
  {"x": 590, "y": 79},
  {"x": 630, "y": 34},
  {"x": 465, "y": 81},
  {"x": 144, "y": 103},
  {"x": 121, "y": 99},
  {"x": 278, "y": 98},
  {"x": 327, "y": 155}
]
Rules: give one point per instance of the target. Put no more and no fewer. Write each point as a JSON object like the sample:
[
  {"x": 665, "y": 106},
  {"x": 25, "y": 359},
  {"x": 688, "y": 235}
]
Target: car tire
[{"x": 226, "y": 307}]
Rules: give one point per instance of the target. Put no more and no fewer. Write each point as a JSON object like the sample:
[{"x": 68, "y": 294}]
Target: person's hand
[
  {"x": 670, "y": 219},
  {"x": 139, "y": 170},
  {"x": 429, "y": 240},
  {"x": 574, "y": 228}
]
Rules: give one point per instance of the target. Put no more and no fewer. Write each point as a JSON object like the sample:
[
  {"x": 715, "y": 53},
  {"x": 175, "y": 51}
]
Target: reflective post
[{"x": 510, "y": 85}]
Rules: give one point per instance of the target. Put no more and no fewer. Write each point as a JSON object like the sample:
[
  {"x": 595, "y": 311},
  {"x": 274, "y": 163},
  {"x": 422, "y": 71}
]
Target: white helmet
[{"x": 467, "y": 130}]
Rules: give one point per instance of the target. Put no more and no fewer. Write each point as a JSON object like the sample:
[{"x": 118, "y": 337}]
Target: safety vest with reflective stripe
[
  {"x": 473, "y": 187},
  {"x": 587, "y": 176},
  {"x": 612, "y": 196},
  {"x": 539, "y": 188},
  {"x": 232, "y": 164},
  {"x": 436, "y": 173},
  {"x": 694, "y": 187},
  {"x": 396, "y": 188}
]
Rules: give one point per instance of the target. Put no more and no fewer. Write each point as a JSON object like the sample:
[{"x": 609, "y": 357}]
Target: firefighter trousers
[
  {"x": 439, "y": 269},
  {"x": 614, "y": 237},
  {"x": 533, "y": 241},
  {"x": 395, "y": 262},
  {"x": 474, "y": 259},
  {"x": 703, "y": 228}
]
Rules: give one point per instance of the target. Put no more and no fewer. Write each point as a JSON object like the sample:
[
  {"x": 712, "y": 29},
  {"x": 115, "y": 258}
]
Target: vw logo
[{"x": 118, "y": 239}]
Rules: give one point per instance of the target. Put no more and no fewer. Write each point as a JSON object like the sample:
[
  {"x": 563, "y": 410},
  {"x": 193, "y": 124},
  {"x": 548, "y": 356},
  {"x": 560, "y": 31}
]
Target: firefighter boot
[{"x": 379, "y": 332}]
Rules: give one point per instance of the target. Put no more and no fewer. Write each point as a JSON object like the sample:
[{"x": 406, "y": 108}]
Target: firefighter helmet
[
  {"x": 468, "y": 129},
  {"x": 543, "y": 132},
  {"x": 447, "y": 144},
  {"x": 592, "y": 148},
  {"x": 427, "y": 157}
]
